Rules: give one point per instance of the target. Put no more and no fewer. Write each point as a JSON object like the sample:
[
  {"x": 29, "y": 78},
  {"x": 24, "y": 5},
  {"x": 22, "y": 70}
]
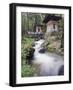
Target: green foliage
[
  {"x": 54, "y": 41},
  {"x": 61, "y": 31},
  {"x": 28, "y": 23},
  {"x": 26, "y": 45},
  {"x": 30, "y": 20},
  {"x": 27, "y": 71},
  {"x": 51, "y": 49}
]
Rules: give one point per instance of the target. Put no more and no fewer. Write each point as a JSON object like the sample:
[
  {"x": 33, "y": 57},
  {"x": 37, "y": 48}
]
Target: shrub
[
  {"x": 26, "y": 45},
  {"x": 51, "y": 49},
  {"x": 27, "y": 71}
]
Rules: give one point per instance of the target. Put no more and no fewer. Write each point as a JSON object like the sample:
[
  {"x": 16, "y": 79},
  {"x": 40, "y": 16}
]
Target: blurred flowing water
[{"x": 47, "y": 64}]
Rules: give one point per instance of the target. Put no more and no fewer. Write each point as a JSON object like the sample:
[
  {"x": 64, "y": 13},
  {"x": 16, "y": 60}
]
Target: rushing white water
[{"x": 48, "y": 64}]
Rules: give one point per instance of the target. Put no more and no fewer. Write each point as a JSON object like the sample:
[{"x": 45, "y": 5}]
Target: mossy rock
[{"x": 51, "y": 49}]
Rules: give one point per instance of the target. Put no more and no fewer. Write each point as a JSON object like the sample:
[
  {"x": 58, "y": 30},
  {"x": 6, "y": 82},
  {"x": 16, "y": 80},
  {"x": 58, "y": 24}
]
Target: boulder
[
  {"x": 30, "y": 56},
  {"x": 61, "y": 70},
  {"x": 33, "y": 45},
  {"x": 42, "y": 50}
]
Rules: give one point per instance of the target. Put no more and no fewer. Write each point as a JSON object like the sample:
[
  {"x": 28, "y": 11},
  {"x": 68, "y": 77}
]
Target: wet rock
[
  {"x": 61, "y": 70},
  {"x": 42, "y": 50},
  {"x": 33, "y": 45},
  {"x": 30, "y": 56}
]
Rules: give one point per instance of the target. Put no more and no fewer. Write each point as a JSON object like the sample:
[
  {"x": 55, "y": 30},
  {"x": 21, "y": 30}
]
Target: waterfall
[{"x": 47, "y": 64}]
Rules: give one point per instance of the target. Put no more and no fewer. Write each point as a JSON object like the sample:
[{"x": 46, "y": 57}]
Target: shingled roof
[
  {"x": 51, "y": 17},
  {"x": 40, "y": 25}
]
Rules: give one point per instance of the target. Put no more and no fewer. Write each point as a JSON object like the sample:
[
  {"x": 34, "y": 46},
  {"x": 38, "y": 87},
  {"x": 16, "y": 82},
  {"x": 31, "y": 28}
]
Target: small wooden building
[
  {"x": 51, "y": 22},
  {"x": 39, "y": 29}
]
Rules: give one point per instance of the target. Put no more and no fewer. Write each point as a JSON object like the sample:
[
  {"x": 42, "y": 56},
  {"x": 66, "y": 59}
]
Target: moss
[{"x": 51, "y": 49}]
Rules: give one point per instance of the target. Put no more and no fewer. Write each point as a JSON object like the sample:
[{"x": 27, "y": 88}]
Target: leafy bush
[
  {"x": 26, "y": 45},
  {"x": 51, "y": 49},
  {"x": 27, "y": 71}
]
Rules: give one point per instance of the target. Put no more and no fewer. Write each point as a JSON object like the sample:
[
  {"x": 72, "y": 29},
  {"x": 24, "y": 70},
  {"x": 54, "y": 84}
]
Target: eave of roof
[
  {"x": 40, "y": 25},
  {"x": 51, "y": 17}
]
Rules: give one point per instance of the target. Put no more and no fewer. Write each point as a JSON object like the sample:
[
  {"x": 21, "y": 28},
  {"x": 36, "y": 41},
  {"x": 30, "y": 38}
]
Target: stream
[{"x": 47, "y": 64}]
